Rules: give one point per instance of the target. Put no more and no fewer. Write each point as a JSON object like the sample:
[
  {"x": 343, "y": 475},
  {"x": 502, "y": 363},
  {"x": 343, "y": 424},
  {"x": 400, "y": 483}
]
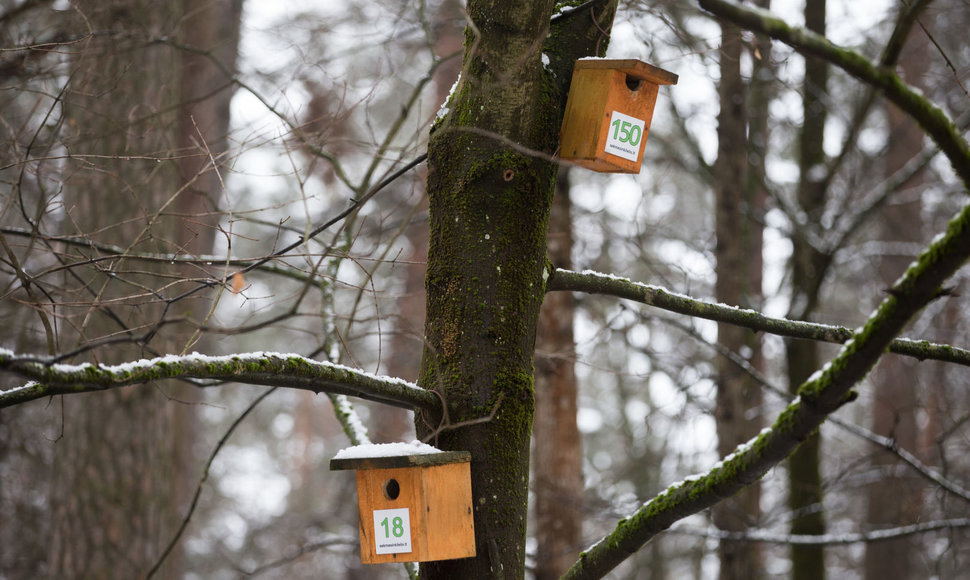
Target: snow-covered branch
[
  {"x": 597, "y": 283},
  {"x": 825, "y": 539},
  {"x": 257, "y": 368}
]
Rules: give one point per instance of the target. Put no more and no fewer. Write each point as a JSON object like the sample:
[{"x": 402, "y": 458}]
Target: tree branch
[
  {"x": 930, "y": 117},
  {"x": 826, "y": 539},
  {"x": 259, "y": 368},
  {"x": 887, "y": 443},
  {"x": 300, "y": 551},
  {"x": 905, "y": 456},
  {"x": 606, "y": 284},
  {"x": 823, "y": 393}
]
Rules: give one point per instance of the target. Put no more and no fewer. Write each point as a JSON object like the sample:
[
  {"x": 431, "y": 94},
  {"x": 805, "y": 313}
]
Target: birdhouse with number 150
[
  {"x": 415, "y": 502},
  {"x": 608, "y": 113}
]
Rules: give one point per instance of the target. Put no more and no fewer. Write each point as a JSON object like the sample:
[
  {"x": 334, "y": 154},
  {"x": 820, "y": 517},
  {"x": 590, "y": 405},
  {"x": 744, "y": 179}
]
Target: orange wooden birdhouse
[
  {"x": 608, "y": 113},
  {"x": 413, "y": 507}
]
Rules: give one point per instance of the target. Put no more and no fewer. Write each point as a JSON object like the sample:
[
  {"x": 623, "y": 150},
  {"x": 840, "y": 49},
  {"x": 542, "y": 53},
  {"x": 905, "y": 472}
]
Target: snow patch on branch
[
  {"x": 351, "y": 420},
  {"x": 443, "y": 110},
  {"x": 23, "y": 387},
  {"x": 197, "y": 358}
]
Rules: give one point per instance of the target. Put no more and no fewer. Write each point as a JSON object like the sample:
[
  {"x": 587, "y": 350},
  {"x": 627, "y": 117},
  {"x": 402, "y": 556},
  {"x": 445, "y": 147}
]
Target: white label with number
[
  {"x": 392, "y": 531},
  {"x": 624, "y": 136}
]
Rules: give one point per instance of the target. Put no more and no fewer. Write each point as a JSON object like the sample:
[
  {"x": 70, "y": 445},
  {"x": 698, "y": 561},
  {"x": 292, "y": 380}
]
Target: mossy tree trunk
[{"x": 490, "y": 186}]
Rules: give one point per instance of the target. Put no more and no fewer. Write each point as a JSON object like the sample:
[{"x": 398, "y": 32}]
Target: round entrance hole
[
  {"x": 633, "y": 83},
  {"x": 392, "y": 489}
]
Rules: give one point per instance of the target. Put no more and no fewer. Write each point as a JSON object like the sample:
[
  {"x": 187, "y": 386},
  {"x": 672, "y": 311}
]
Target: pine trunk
[
  {"x": 558, "y": 465},
  {"x": 895, "y": 499},
  {"x": 738, "y": 269},
  {"x": 804, "y": 474},
  {"x": 145, "y": 120}
]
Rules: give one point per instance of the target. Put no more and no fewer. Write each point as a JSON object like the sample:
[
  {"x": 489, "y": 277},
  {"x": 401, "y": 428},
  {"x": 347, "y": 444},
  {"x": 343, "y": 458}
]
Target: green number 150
[{"x": 626, "y": 132}]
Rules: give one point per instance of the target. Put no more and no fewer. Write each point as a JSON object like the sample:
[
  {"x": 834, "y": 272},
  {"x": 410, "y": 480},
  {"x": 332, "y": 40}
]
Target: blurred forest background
[{"x": 152, "y": 150}]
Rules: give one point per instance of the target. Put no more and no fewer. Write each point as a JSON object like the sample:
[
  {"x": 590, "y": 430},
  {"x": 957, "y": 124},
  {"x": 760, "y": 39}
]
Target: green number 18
[{"x": 396, "y": 527}]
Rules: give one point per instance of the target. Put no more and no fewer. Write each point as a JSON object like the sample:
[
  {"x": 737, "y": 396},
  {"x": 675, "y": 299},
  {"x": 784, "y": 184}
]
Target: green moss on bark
[{"x": 490, "y": 184}]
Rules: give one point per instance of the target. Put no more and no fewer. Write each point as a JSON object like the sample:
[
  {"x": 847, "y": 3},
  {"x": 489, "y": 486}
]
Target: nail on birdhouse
[
  {"x": 413, "y": 507},
  {"x": 608, "y": 113}
]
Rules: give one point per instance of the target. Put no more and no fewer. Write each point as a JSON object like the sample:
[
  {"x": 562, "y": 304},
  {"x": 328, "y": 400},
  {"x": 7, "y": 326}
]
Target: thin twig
[
  {"x": 205, "y": 475},
  {"x": 448, "y": 426}
]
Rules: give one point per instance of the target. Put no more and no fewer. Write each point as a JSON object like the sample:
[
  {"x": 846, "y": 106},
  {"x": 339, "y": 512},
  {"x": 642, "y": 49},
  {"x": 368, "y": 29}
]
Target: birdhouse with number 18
[
  {"x": 608, "y": 113},
  {"x": 414, "y": 506}
]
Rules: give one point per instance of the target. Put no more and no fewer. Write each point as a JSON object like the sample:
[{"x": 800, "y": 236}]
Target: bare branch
[
  {"x": 205, "y": 475},
  {"x": 890, "y": 445},
  {"x": 302, "y": 551}
]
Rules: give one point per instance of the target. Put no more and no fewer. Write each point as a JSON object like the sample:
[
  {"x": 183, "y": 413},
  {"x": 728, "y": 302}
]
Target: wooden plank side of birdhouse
[
  {"x": 439, "y": 521},
  {"x": 584, "y": 109},
  {"x": 450, "y": 517}
]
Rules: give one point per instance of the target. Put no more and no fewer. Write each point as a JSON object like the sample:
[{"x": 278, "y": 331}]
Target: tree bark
[
  {"x": 738, "y": 270},
  {"x": 490, "y": 187},
  {"x": 808, "y": 270},
  {"x": 111, "y": 502},
  {"x": 894, "y": 499},
  {"x": 145, "y": 122},
  {"x": 211, "y": 31},
  {"x": 558, "y": 465}
]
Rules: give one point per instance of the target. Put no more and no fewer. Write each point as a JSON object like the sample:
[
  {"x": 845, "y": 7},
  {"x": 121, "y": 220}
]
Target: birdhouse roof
[
  {"x": 393, "y": 455},
  {"x": 631, "y": 66}
]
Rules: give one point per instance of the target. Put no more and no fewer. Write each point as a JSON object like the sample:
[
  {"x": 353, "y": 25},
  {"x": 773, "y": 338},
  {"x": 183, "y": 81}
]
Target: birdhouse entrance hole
[
  {"x": 633, "y": 83},
  {"x": 608, "y": 113},
  {"x": 392, "y": 489}
]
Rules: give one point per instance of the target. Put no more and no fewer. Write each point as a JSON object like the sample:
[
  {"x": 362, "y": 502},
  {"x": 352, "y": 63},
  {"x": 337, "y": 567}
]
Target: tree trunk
[
  {"x": 211, "y": 29},
  {"x": 804, "y": 475},
  {"x": 738, "y": 255},
  {"x": 490, "y": 199},
  {"x": 121, "y": 466},
  {"x": 894, "y": 499},
  {"x": 558, "y": 466},
  {"x": 112, "y": 494}
]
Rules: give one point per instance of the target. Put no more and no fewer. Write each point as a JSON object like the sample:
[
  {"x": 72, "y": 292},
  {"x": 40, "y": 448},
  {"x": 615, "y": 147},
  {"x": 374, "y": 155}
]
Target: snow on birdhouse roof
[{"x": 391, "y": 455}]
